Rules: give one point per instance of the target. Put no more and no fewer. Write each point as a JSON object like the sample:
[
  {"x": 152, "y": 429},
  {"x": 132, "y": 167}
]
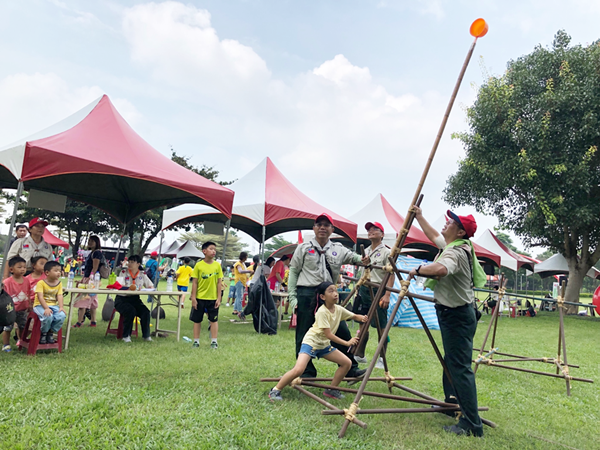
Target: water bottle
[
  {"x": 71, "y": 280},
  {"x": 169, "y": 284},
  {"x": 97, "y": 280},
  {"x": 186, "y": 339},
  {"x": 139, "y": 282},
  {"x": 127, "y": 280}
]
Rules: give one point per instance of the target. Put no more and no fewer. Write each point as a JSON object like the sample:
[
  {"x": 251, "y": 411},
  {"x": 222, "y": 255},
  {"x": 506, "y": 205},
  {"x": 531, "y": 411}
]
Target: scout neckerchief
[
  {"x": 324, "y": 266},
  {"x": 133, "y": 278},
  {"x": 478, "y": 279}
]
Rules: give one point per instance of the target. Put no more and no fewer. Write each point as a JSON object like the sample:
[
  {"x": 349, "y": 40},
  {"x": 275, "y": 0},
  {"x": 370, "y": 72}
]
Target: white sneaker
[
  {"x": 379, "y": 364},
  {"x": 227, "y": 304},
  {"x": 148, "y": 339},
  {"x": 127, "y": 339},
  {"x": 360, "y": 359}
]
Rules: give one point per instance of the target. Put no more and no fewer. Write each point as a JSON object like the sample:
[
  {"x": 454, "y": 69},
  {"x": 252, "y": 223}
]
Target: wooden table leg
[{"x": 69, "y": 318}]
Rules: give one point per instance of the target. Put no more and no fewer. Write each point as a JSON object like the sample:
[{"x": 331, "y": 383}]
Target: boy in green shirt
[{"x": 206, "y": 293}]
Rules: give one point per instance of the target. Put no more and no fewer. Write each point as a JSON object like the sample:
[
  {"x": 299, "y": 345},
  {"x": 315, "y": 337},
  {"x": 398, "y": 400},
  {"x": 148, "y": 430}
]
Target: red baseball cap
[
  {"x": 368, "y": 225},
  {"x": 467, "y": 223},
  {"x": 324, "y": 216},
  {"x": 154, "y": 253},
  {"x": 37, "y": 220}
]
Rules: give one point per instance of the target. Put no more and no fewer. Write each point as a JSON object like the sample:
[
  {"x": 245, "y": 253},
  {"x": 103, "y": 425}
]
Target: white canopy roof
[
  {"x": 509, "y": 259},
  {"x": 188, "y": 249},
  {"x": 557, "y": 265}
]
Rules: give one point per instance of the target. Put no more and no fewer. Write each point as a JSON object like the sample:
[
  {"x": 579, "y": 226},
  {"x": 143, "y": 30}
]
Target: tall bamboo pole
[{"x": 402, "y": 237}]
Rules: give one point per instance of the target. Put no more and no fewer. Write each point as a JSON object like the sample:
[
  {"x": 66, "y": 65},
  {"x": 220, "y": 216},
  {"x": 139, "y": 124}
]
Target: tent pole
[
  {"x": 262, "y": 255},
  {"x": 119, "y": 247},
  {"x": 223, "y": 260},
  {"x": 13, "y": 221}
]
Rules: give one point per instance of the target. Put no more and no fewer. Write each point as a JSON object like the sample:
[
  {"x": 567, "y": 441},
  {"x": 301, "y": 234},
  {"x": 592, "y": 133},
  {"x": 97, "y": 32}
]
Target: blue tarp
[{"x": 406, "y": 315}]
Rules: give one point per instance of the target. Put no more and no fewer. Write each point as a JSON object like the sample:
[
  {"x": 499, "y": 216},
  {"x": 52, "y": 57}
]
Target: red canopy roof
[
  {"x": 99, "y": 159},
  {"x": 264, "y": 197},
  {"x": 53, "y": 240}
]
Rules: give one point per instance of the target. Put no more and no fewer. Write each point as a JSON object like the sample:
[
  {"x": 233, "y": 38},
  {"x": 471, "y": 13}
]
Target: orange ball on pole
[{"x": 479, "y": 28}]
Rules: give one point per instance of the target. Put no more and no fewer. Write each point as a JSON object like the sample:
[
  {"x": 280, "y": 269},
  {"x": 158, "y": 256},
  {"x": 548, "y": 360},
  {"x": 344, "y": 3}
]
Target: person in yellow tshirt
[
  {"x": 48, "y": 303},
  {"x": 240, "y": 275},
  {"x": 206, "y": 293},
  {"x": 183, "y": 275}
]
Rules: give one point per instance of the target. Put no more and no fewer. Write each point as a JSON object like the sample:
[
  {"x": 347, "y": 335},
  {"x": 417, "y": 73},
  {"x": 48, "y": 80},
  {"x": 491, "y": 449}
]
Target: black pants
[
  {"x": 305, "y": 320},
  {"x": 130, "y": 306},
  {"x": 458, "y": 326},
  {"x": 364, "y": 297}
]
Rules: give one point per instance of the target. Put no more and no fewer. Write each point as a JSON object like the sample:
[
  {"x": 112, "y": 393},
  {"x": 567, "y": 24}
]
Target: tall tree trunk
[
  {"x": 77, "y": 243},
  {"x": 148, "y": 240},
  {"x": 577, "y": 271}
]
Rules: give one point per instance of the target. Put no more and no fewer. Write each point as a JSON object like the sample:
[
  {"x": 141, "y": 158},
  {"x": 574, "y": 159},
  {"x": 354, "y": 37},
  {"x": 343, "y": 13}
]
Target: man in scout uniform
[
  {"x": 30, "y": 246},
  {"x": 314, "y": 262},
  {"x": 458, "y": 271},
  {"x": 378, "y": 254}
]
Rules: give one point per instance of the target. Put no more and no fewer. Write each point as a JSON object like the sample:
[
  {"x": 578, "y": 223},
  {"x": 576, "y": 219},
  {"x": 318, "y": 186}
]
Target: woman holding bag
[{"x": 93, "y": 263}]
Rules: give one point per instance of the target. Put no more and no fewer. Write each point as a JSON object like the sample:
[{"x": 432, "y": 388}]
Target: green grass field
[{"x": 103, "y": 393}]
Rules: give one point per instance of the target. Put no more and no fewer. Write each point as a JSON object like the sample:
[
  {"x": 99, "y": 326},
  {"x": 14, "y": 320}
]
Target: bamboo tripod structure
[
  {"x": 562, "y": 367},
  {"x": 391, "y": 271}
]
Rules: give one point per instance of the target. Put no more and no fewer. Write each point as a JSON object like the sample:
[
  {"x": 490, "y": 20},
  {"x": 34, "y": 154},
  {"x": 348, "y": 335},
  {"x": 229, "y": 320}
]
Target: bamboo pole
[
  {"x": 360, "y": 423},
  {"x": 275, "y": 379},
  {"x": 537, "y": 372},
  {"x": 410, "y": 216},
  {"x": 565, "y": 370}
]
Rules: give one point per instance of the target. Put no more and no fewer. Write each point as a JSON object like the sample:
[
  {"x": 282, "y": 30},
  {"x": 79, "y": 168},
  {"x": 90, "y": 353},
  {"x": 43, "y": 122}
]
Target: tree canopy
[{"x": 532, "y": 155}]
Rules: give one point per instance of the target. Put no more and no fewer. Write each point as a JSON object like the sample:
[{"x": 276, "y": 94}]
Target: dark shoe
[
  {"x": 275, "y": 395},
  {"x": 458, "y": 431},
  {"x": 448, "y": 413},
  {"x": 333, "y": 393},
  {"x": 93, "y": 324},
  {"x": 358, "y": 373},
  {"x": 50, "y": 338},
  {"x": 77, "y": 325},
  {"x": 43, "y": 339}
]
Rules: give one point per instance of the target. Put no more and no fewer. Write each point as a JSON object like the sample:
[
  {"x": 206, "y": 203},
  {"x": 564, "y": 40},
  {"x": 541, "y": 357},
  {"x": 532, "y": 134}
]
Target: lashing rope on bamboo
[
  {"x": 350, "y": 413},
  {"x": 296, "y": 382},
  {"x": 389, "y": 379}
]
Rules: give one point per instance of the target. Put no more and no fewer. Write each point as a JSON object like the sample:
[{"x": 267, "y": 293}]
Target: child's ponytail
[{"x": 317, "y": 302}]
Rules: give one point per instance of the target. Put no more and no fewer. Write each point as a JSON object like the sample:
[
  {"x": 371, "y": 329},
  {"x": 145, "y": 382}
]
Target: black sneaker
[
  {"x": 333, "y": 393},
  {"x": 50, "y": 338},
  {"x": 43, "y": 339},
  {"x": 275, "y": 395},
  {"x": 359, "y": 374},
  {"x": 458, "y": 431}
]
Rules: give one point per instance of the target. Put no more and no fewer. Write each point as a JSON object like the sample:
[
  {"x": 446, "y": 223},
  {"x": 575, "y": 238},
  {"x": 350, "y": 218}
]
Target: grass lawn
[{"x": 103, "y": 393}]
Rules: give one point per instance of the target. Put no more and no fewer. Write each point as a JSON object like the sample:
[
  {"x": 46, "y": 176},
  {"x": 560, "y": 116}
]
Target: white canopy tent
[
  {"x": 508, "y": 258},
  {"x": 557, "y": 265},
  {"x": 188, "y": 249}
]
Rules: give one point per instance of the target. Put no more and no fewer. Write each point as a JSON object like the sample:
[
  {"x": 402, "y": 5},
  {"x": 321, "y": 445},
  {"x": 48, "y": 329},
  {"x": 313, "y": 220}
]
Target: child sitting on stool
[{"x": 48, "y": 304}]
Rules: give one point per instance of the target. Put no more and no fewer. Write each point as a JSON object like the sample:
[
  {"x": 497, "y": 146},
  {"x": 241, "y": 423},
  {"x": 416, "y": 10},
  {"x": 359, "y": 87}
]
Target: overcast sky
[{"x": 328, "y": 89}]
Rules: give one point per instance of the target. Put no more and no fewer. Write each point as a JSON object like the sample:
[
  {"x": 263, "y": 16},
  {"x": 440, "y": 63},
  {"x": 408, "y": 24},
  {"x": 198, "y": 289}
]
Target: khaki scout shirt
[
  {"x": 307, "y": 262},
  {"x": 455, "y": 289},
  {"x": 26, "y": 248},
  {"x": 379, "y": 257}
]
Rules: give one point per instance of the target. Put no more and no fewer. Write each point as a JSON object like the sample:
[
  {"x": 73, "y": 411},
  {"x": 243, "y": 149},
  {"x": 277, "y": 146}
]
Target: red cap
[
  {"x": 368, "y": 226},
  {"x": 467, "y": 223},
  {"x": 37, "y": 220},
  {"x": 154, "y": 253},
  {"x": 324, "y": 216}
]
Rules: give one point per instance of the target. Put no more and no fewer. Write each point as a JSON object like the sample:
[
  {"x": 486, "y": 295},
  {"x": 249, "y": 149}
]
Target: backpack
[
  {"x": 8, "y": 315},
  {"x": 104, "y": 269}
]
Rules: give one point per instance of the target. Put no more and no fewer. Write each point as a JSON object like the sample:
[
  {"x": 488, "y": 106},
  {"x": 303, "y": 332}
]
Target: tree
[
  {"x": 275, "y": 243},
  {"x": 532, "y": 155},
  {"x": 234, "y": 244}
]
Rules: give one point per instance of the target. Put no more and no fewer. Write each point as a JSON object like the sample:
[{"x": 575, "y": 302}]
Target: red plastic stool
[
  {"x": 119, "y": 330},
  {"x": 30, "y": 339}
]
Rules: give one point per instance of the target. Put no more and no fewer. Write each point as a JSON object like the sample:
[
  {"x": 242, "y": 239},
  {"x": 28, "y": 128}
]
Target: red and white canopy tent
[
  {"x": 95, "y": 157},
  {"x": 266, "y": 204},
  {"x": 53, "y": 240},
  {"x": 509, "y": 258}
]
